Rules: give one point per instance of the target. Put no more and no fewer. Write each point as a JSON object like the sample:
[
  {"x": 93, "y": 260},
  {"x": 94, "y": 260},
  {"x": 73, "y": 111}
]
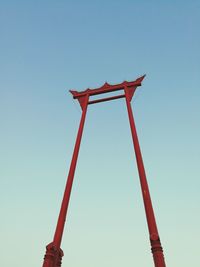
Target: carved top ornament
[{"x": 107, "y": 88}]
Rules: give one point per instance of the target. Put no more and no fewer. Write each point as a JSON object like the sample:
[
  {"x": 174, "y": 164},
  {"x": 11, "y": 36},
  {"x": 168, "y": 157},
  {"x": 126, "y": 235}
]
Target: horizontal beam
[
  {"x": 105, "y": 99},
  {"x": 107, "y": 88}
]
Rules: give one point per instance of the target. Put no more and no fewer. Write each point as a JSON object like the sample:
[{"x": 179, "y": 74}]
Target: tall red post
[
  {"x": 54, "y": 254},
  {"x": 156, "y": 247}
]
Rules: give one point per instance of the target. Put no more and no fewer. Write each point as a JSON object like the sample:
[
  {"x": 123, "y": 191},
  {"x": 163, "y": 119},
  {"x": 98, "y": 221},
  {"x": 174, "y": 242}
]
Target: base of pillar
[
  {"x": 157, "y": 252},
  {"x": 53, "y": 256}
]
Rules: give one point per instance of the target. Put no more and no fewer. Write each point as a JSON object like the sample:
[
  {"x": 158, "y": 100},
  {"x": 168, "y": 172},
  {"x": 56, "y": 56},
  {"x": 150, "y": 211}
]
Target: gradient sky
[{"x": 49, "y": 47}]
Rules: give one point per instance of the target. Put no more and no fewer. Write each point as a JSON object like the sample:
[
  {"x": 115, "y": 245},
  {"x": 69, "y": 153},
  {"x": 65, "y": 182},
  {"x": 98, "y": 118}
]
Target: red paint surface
[
  {"x": 54, "y": 254},
  {"x": 151, "y": 222}
]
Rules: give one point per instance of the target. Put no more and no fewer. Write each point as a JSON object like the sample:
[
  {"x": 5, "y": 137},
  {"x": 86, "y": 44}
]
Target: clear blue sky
[{"x": 49, "y": 47}]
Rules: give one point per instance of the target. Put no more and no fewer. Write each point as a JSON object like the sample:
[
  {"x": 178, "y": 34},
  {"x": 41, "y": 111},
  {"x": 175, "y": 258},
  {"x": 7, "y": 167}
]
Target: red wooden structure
[{"x": 54, "y": 253}]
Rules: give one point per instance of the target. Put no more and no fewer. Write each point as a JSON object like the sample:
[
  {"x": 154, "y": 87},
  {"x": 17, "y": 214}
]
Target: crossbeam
[
  {"x": 107, "y": 88},
  {"x": 105, "y": 99}
]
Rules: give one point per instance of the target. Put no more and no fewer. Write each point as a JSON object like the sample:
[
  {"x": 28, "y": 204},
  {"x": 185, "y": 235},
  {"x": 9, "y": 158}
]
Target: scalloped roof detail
[{"x": 106, "y": 87}]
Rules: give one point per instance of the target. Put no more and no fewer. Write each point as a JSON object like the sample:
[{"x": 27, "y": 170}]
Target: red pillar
[
  {"x": 54, "y": 254},
  {"x": 156, "y": 247}
]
